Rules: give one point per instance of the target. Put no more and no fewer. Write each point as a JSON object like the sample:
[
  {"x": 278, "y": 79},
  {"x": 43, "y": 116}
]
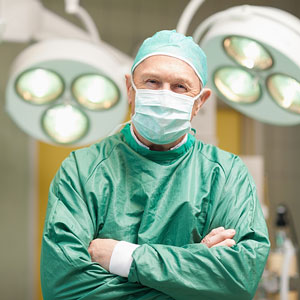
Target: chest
[{"x": 151, "y": 203}]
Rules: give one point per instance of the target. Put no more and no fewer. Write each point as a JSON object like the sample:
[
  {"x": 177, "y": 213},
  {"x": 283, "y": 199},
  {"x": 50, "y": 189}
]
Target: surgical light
[
  {"x": 68, "y": 87},
  {"x": 285, "y": 91},
  {"x": 237, "y": 85},
  {"x": 247, "y": 52},
  {"x": 39, "y": 86},
  {"x": 95, "y": 92},
  {"x": 253, "y": 59},
  {"x": 83, "y": 80},
  {"x": 65, "y": 123}
]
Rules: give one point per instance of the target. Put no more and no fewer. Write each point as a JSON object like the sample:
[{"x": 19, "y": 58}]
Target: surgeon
[{"x": 151, "y": 212}]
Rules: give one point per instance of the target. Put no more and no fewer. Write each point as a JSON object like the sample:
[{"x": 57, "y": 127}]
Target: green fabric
[
  {"x": 166, "y": 202},
  {"x": 172, "y": 43}
]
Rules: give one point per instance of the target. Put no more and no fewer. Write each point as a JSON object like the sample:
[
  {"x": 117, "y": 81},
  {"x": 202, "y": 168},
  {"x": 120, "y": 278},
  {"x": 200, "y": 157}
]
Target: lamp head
[
  {"x": 67, "y": 92},
  {"x": 253, "y": 61}
]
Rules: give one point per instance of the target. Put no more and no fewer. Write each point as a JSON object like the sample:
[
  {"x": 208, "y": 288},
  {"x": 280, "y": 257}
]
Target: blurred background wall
[{"x": 27, "y": 166}]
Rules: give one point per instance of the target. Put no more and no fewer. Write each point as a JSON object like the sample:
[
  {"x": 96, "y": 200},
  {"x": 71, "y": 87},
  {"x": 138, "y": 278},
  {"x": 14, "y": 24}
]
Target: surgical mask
[{"x": 162, "y": 116}]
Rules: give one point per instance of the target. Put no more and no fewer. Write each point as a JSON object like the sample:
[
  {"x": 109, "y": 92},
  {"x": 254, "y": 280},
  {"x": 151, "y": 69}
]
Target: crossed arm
[{"x": 101, "y": 250}]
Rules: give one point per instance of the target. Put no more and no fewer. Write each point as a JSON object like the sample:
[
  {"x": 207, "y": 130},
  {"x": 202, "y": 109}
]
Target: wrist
[{"x": 121, "y": 258}]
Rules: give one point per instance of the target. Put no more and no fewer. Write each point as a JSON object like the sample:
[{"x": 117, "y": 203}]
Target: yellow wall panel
[
  {"x": 49, "y": 160},
  {"x": 229, "y": 130}
]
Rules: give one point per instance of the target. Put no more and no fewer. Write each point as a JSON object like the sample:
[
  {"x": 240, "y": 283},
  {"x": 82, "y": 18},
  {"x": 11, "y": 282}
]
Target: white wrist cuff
[{"x": 121, "y": 258}]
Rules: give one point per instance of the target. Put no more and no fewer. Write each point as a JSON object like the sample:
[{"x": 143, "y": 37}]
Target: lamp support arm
[
  {"x": 54, "y": 26},
  {"x": 187, "y": 15},
  {"x": 73, "y": 7},
  {"x": 35, "y": 22},
  {"x": 241, "y": 13}
]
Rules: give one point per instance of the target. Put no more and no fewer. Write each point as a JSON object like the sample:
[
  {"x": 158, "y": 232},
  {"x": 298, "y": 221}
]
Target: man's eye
[
  {"x": 180, "y": 87},
  {"x": 152, "y": 81}
]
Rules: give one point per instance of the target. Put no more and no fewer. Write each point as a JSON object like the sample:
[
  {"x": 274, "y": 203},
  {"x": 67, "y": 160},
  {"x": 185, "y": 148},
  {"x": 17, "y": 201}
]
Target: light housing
[
  {"x": 64, "y": 123},
  {"x": 285, "y": 91},
  {"x": 237, "y": 85},
  {"x": 261, "y": 41},
  {"x": 247, "y": 53},
  {"x": 39, "y": 86},
  {"x": 95, "y": 92},
  {"x": 70, "y": 59}
]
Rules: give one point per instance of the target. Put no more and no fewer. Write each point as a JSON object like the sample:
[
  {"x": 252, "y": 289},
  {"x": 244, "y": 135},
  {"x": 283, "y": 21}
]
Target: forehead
[{"x": 164, "y": 66}]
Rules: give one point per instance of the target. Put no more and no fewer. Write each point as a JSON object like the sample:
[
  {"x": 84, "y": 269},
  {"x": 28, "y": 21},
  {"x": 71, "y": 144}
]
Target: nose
[{"x": 166, "y": 86}]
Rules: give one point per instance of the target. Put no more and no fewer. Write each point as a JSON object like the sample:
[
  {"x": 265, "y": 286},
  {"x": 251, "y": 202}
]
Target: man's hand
[
  {"x": 101, "y": 250},
  {"x": 219, "y": 237}
]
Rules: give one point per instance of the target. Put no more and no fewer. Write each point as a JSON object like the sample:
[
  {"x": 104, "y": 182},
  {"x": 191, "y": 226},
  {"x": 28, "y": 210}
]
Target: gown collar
[
  {"x": 141, "y": 144},
  {"x": 157, "y": 155}
]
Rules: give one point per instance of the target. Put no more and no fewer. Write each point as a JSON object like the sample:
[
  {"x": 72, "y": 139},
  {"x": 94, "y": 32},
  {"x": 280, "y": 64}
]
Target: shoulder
[
  {"x": 83, "y": 161},
  {"x": 213, "y": 155}
]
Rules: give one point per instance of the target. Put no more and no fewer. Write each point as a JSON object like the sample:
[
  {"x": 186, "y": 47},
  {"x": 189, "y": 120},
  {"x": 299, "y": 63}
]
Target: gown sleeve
[
  {"x": 67, "y": 272},
  {"x": 197, "y": 272}
]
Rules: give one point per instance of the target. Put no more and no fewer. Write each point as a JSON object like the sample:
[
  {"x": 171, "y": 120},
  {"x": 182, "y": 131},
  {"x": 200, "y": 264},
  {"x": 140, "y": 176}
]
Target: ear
[
  {"x": 129, "y": 89},
  {"x": 199, "y": 102}
]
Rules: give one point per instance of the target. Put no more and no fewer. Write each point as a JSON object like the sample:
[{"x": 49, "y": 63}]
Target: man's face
[{"x": 161, "y": 72}]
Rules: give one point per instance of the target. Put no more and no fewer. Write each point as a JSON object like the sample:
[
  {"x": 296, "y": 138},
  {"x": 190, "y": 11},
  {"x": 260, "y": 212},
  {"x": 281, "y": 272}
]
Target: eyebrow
[{"x": 179, "y": 78}]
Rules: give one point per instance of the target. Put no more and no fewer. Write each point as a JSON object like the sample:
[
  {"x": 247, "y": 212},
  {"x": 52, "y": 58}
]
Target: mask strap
[
  {"x": 132, "y": 83},
  {"x": 199, "y": 95},
  {"x": 118, "y": 127},
  {"x": 194, "y": 131}
]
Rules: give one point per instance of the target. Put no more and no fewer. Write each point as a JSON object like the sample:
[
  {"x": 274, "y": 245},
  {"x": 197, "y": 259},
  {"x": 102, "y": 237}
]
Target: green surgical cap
[{"x": 172, "y": 43}]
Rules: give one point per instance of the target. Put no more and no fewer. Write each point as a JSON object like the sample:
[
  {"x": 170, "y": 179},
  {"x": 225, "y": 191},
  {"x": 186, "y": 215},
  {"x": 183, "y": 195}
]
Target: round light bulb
[
  {"x": 95, "y": 92},
  {"x": 65, "y": 124},
  {"x": 248, "y": 53},
  {"x": 285, "y": 90},
  {"x": 237, "y": 85},
  {"x": 39, "y": 86}
]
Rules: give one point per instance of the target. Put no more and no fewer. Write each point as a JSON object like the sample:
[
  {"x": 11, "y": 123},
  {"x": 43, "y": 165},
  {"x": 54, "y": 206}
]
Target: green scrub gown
[{"x": 164, "y": 201}]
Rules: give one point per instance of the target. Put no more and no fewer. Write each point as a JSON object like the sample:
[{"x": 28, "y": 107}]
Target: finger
[
  {"x": 215, "y": 231},
  {"x": 219, "y": 237},
  {"x": 90, "y": 249},
  {"x": 92, "y": 246},
  {"x": 222, "y": 236},
  {"x": 227, "y": 243}
]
